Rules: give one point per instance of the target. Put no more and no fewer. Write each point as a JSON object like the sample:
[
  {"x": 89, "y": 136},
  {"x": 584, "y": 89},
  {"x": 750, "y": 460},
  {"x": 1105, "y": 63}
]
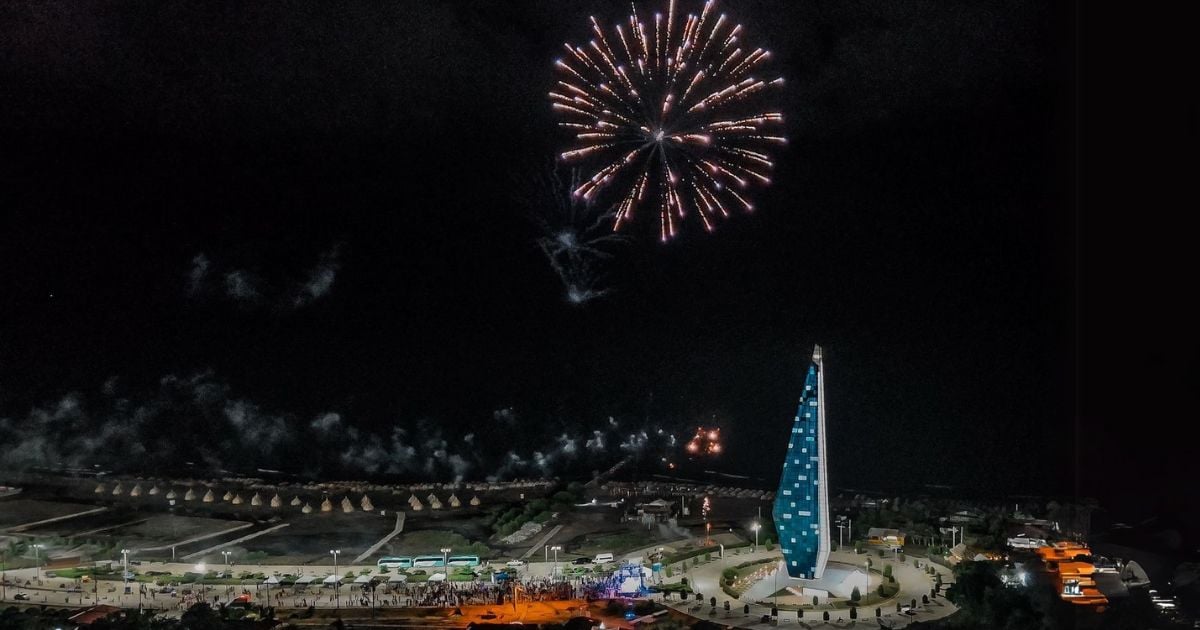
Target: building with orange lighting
[{"x": 1072, "y": 574}]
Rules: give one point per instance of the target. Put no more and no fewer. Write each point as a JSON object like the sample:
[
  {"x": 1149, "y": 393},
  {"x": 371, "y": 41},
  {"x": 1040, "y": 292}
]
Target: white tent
[
  {"x": 271, "y": 580},
  {"x": 362, "y": 579},
  {"x": 331, "y": 579},
  {"x": 398, "y": 577},
  {"x": 437, "y": 577},
  {"x": 305, "y": 579}
]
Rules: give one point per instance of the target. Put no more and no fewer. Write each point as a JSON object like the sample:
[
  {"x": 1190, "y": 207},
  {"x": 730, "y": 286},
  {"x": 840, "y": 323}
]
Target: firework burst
[{"x": 669, "y": 109}]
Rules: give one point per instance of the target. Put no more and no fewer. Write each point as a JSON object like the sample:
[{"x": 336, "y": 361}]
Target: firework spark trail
[
  {"x": 687, "y": 122},
  {"x": 575, "y": 237}
]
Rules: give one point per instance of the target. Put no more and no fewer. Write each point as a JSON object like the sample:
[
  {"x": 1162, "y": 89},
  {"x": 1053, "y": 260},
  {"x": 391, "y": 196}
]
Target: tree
[
  {"x": 878, "y": 612},
  {"x": 727, "y": 605},
  {"x": 887, "y": 570},
  {"x": 746, "y": 609},
  {"x": 897, "y": 606},
  {"x": 924, "y": 599},
  {"x": 853, "y": 613},
  {"x": 713, "y": 601},
  {"x": 900, "y": 558},
  {"x": 708, "y": 557},
  {"x": 799, "y": 613},
  {"x": 858, "y": 546},
  {"x": 699, "y": 597},
  {"x": 855, "y": 595},
  {"x": 880, "y": 553},
  {"x": 826, "y": 615}
]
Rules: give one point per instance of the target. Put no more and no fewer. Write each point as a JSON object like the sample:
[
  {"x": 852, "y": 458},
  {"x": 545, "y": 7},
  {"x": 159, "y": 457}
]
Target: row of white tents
[{"x": 276, "y": 501}]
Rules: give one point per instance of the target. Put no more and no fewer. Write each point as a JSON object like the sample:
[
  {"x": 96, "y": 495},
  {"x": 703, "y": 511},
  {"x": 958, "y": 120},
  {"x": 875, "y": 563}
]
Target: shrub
[
  {"x": 900, "y": 557},
  {"x": 814, "y": 600},
  {"x": 878, "y": 612},
  {"x": 708, "y": 557},
  {"x": 826, "y": 615},
  {"x": 887, "y": 571},
  {"x": 880, "y": 553},
  {"x": 729, "y": 574},
  {"x": 799, "y": 613},
  {"x": 853, "y": 613},
  {"x": 855, "y": 595},
  {"x": 770, "y": 546},
  {"x": 858, "y": 546}
]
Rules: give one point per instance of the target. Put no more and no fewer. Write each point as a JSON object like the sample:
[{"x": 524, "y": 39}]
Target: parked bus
[
  {"x": 464, "y": 561},
  {"x": 428, "y": 561},
  {"x": 395, "y": 562}
]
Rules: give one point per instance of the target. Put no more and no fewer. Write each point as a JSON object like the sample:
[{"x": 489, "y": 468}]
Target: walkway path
[
  {"x": 25, "y": 526},
  {"x": 104, "y": 529},
  {"x": 383, "y": 541},
  {"x": 234, "y": 541},
  {"x": 197, "y": 538},
  {"x": 542, "y": 542}
]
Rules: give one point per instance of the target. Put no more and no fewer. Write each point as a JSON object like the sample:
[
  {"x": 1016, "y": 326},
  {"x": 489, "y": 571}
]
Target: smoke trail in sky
[{"x": 198, "y": 418}]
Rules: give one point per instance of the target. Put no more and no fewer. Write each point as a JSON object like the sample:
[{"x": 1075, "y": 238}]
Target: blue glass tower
[{"x": 802, "y": 502}]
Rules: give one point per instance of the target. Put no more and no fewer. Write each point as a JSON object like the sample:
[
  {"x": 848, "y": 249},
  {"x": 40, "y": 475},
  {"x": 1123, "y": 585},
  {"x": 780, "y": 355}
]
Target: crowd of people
[{"x": 446, "y": 594}]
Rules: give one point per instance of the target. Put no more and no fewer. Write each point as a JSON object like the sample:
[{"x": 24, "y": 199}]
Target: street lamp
[
  {"x": 227, "y": 554},
  {"x": 36, "y": 560},
  {"x": 446, "y": 560},
  {"x": 337, "y": 583},
  {"x": 756, "y": 527},
  {"x": 555, "y": 549}
]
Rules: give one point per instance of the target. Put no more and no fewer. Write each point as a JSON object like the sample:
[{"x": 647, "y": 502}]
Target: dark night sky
[{"x": 921, "y": 228}]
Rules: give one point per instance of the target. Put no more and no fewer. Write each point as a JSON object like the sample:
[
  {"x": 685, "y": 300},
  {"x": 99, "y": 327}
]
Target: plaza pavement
[{"x": 705, "y": 579}]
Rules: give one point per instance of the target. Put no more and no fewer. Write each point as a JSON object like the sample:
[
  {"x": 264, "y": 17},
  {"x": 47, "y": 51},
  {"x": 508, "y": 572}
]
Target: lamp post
[
  {"x": 446, "y": 560},
  {"x": 555, "y": 549},
  {"x": 227, "y": 554},
  {"x": 337, "y": 583},
  {"x": 841, "y": 529},
  {"x": 37, "y": 561},
  {"x": 756, "y": 527}
]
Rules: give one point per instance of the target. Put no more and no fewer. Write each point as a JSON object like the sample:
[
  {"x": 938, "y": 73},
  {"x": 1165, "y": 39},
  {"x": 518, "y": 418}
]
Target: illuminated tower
[{"x": 802, "y": 502}]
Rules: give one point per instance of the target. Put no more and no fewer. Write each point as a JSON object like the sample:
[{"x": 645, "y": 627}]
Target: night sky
[{"x": 315, "y": 208}]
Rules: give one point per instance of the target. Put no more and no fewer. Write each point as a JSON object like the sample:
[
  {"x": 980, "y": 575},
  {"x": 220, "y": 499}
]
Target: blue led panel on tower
[{"x": 802, "y": 503}]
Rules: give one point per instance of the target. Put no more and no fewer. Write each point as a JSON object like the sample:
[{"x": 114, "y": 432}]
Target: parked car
[
  {"x": 581, "y": 561},
  {"x": 51, "y": 574},
  {"x": 515, "y": 563},
  {"x": 21, "y": 596}
]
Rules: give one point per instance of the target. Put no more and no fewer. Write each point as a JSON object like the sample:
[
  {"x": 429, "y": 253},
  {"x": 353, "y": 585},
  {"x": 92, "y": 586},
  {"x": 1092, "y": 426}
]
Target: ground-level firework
[
  {"x": 707, "y": 441},
  {"x": 671, "y": 111}
]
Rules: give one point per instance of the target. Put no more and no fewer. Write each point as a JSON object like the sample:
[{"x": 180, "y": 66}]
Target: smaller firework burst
[{"x": 706, "y": 442}]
